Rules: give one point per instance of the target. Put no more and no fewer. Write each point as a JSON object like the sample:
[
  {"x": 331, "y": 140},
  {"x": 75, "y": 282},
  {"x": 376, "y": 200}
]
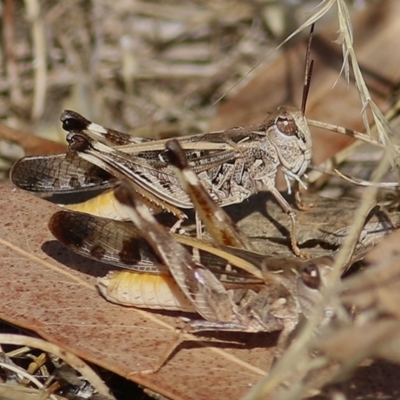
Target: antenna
[{"x": 307, "y": 72}]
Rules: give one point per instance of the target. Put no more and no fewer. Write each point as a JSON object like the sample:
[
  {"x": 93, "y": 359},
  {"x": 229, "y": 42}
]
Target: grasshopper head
[
  {"x": 288, "y": 132},
  {"x": 312, "y": 277}
]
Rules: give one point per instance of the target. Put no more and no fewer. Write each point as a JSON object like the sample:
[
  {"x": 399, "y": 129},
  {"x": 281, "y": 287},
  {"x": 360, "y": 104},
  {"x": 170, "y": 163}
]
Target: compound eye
[
  {"x": 310, "y": 276},
  {"x": 286, "y": 125}
]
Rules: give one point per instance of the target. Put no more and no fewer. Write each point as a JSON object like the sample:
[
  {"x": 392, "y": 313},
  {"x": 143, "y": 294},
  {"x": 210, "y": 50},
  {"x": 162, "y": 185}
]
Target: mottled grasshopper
[
  {"x": 232, "y": 164},
  {"x": 232, "y": 288}
]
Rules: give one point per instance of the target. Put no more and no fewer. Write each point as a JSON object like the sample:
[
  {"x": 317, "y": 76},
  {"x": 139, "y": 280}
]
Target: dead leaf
[{"x": 49, "y": 290}]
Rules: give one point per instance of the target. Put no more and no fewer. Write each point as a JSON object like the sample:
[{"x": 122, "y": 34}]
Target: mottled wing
[
  {"x": 62, "y": 173},
  {"x": 73, "y": 122},
  {"x": 150, "y": 170},
  {"x": 113, "y": 242},
  {"x": 120, "y": 244}
]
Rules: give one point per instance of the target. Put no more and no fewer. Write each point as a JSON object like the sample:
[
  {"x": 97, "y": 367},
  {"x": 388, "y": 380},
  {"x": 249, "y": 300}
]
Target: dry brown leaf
[
  {"x": 49, "y": 290},
  {"x": 376, "y": 33}
]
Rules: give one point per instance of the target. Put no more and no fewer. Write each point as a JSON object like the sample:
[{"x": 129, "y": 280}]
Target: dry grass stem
[{"x": 40, "y": 54}]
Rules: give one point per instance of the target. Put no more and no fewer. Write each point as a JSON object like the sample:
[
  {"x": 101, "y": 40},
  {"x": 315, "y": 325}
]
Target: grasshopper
[
  {"x": 232, "y": 164},
  {"x": 231, "y": 288}
]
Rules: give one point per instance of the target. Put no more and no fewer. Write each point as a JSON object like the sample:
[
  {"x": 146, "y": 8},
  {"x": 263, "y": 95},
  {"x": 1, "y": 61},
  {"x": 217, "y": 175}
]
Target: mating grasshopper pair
[{"x": 232, "y": 288}]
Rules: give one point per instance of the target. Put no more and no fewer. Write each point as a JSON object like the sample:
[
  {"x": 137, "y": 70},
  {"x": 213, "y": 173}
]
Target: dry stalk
[{"x": 40, "y": 54}]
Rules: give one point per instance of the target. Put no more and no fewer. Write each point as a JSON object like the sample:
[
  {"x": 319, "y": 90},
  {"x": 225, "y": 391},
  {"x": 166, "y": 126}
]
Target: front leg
[{"x": 292, "y": 214}]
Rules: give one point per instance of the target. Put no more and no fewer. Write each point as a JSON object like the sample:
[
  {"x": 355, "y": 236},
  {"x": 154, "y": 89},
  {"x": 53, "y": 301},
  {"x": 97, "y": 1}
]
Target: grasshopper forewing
[{"x": 61, "y": 173}]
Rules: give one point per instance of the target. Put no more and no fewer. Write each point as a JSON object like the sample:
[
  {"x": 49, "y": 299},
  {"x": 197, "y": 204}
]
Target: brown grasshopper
[
  {"x": 232, "y": 164},
  {"x": 232, "y": 288}
]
